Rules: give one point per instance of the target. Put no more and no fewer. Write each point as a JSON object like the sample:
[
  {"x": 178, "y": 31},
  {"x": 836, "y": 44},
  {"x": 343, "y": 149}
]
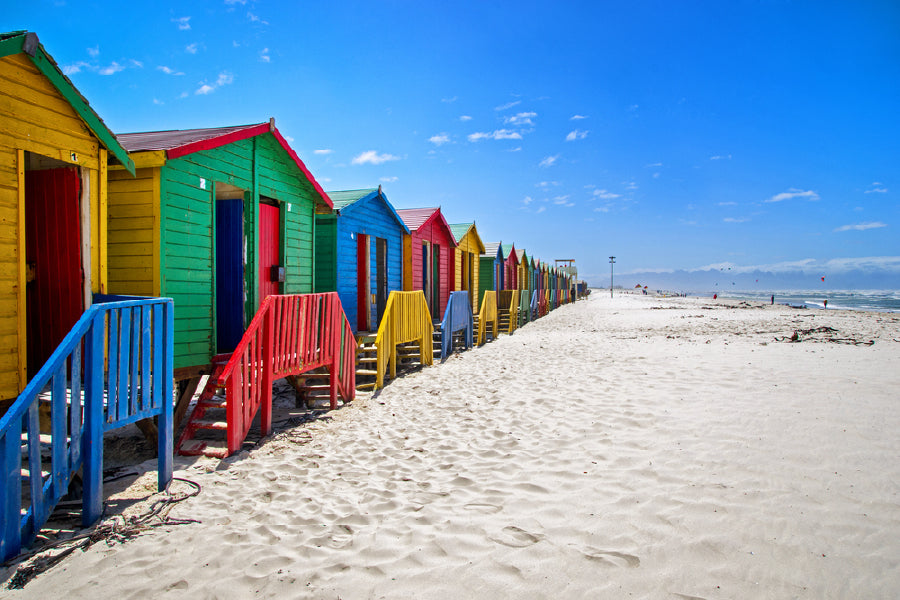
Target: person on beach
[
  {"x": 715, "y": 296},
  {"x": 773, "y": 300},
  {"x": 825, "y": 304}
]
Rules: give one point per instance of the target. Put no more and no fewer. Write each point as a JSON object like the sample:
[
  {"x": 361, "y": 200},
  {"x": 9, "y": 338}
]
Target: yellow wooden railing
[
  {"x": 487, "y": 314},
  {"x": 508, "y": 300},
  {"x": 406, "y": 319}
]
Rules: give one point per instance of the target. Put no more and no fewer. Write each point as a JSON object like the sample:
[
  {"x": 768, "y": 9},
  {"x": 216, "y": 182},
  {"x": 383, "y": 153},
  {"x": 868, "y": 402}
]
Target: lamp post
[{"x": 612, "y": 261}]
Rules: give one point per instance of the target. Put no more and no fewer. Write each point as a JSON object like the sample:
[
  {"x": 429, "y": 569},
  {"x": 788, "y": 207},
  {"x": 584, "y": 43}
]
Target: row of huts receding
[{"x": 215, "y": 218}]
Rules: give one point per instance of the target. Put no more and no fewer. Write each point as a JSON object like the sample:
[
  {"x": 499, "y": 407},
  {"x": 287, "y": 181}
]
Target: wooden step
[
  {"x": 214, "y": 424},
  {"x": 367, "y": 372},
  {"x": 216, "y": 449}
]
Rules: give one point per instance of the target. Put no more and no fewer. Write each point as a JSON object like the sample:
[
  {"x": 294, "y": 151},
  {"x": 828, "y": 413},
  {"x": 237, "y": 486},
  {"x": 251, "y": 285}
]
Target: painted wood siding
[
  {"x": 133, "y": 229},
  {"x": 434, "y": 235},
  {"x": 280, "y": 180},
  {"x": 372, "y": 218},
  {"x": 34, "y": 117},
  {"x": 326, "y": 254},
  {"x": 485, "y": 276}
]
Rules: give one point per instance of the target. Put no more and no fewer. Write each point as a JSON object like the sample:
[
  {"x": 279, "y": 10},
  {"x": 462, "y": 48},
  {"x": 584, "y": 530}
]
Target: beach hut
[
  {"x": 523, "y": 281},
  {"x": 54, "y": 153},
  {"x": 490, "y": 270},
  {"x": 359, "y": 254},
  {"x": 216, "y": 219},
  {"x": 510, "y": 266},
  {"x": 468, "y": 260},
  {"x": 428, "y": 256}
]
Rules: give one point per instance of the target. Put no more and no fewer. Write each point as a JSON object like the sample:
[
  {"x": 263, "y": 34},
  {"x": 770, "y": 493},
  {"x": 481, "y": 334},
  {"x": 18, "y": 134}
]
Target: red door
[
  {"x": 55, "y": 289},
  {"x": 269, "y": 250},
  {"x": 363, "y": 283}
]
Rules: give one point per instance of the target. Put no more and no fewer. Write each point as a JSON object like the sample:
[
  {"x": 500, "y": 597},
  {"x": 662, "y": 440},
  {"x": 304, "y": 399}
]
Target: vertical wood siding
[
  {"x": 34, "y": 117},
  {"x": 434, "y": 235},
  {"x": 326, "y": 254},
  {"x": 372, "y": 218}
]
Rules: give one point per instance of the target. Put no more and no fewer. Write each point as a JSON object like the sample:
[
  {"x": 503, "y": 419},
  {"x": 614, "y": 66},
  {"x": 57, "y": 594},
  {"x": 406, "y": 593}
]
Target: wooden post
[
  {"x": 92, "y": 440},
  {"x": 166, "y": 439}
]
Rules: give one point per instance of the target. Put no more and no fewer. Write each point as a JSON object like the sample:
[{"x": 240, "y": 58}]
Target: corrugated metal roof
[
  {"x": 460, "y": 230},
  {"x": 490, "y": 249},
  {"x": 415, "y": 217},
  {"x": 167, "y": 140},
  {"x": 345, "y": 198},
  {"x": 520, "y": 254}
]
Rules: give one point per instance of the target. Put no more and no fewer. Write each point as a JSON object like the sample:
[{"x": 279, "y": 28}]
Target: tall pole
[{"x": 612, "y": 261}]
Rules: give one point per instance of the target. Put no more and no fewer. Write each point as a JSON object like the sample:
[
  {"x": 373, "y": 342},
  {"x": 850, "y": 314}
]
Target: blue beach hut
[{"x": 359, "y": 254}]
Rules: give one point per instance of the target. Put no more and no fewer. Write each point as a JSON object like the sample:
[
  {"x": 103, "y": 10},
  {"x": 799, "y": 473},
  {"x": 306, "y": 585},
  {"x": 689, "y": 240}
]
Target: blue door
[{"x": 229, "y": 274}]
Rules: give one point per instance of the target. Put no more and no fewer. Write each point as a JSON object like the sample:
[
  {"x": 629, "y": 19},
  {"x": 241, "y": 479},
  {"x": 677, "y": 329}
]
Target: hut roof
[
  {"x": 415, "y": 218},
  {"x": 181, "y": 142},
  {"x": 491, "y": 249},
  {"x": 507, "y": 249},
  {"x": 460, "y": 230},
  {"x": 26, "y": 42},
  {"x": 346, "y": 199}
]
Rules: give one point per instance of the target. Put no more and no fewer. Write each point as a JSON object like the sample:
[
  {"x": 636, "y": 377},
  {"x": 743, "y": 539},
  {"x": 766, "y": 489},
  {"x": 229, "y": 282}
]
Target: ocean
[{"x": 867, "y": 300}]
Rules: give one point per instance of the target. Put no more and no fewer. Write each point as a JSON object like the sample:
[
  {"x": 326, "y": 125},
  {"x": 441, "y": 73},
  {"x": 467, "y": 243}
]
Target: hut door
[
  {"x": 229, "y": 274},
  {"x": 269, "y": 251},
  {"x": 55, "y": 289},
  {"x": 363, "y": 283},
  {"x": 426, "y": 269},
  {"x": 381, "y": 283},
  {"x": 471, "y": 287},
  {"x": 436, "y": 283}
]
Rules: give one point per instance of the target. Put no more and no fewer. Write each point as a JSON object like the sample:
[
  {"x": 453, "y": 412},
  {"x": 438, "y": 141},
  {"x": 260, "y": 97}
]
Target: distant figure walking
[
  {"x": 715, "y": 296},
  {"x": 825, "y": 303},
  {"x": 773, "y": 299}
]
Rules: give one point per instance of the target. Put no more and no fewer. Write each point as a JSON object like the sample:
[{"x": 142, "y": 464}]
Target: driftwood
[{"x": 809, "y": 335}]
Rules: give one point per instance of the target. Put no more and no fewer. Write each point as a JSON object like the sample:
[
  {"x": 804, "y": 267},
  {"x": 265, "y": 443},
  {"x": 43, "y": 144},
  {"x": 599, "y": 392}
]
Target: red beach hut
[{"x": 428, "y": 256}]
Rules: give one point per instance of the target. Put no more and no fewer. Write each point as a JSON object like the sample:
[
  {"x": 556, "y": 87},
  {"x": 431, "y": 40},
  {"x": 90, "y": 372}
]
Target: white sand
[{"x": 634, "y": 447}]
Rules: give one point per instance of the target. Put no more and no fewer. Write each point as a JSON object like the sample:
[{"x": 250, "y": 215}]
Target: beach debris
[
  {"x": 118, "y": 529},
  {"x": 822, "y": 334}
]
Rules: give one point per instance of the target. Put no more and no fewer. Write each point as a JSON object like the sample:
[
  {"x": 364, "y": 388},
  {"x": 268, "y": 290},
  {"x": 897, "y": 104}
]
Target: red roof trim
[
  {"x": 215, "y": 142},
  {"x": 325, "y": 199},
  {"x": 437, "y": 213}
]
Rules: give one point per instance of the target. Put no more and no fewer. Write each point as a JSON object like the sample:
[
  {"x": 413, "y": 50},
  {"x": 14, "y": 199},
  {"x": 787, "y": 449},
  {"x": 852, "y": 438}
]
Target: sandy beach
[{"x": 627, "y": 447}]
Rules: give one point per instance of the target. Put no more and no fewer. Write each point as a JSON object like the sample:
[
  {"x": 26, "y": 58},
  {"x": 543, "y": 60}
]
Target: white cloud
[
  {"x": 439, "y": 139},
  {"x": 527, "y": 200},
  {"x": 289, "y": 139},
  {"x": 255, "y": 19},
  {"x": 520, "y": 119},
  {"x": 224, "y": 78},
  {"x": 191, "y": 48},
  {"x": 388, "y": 179},
  {"x": 323, "y": 151},
  {"x": 169, "y": 71},
  {"x": 877, "y": 188},
  {"x": 630, "y": 185},
  {"x": 508, "y": 105},
  {"x": 549, "y": 161},
  {"x": 136, "y": 63},
  {"x": 264, "y": 55},
  {"x": 541, "y": 209},
  {"x": 577, "y": 117},
  {"x": 546, "y": 184},
  {"x": 184, "y": 23},
  {"x": 656, "y": 176},
  {"x": 499, "y": 134},
  {"x": 735, "y": 220},
  {"x": 157, "y": 101},
  {"x": 233, "y": 2},
  {"x": 728, "y": 203},
  {"x": 465, "y": 118},
  {"x": 605, "y": 195},
  {"x": 719, "y": 157},
  {"x": 861, "y": 226},
  {"x": 75, "y": 68},
  {"x": 112, "y": 69},
  {"x": 809, "y": 265},
  {"x": 371, "y": 157},
  {"x": 602, "y": 209},
  {"x": 449, "y": 100},
  {"x": 94, "y": 52},
  {"x": 653, "y": 165},
  {"x": 577, "y": 134},
  {"x": 794, "y": 193},
  {"x": 516, "y": 149}
]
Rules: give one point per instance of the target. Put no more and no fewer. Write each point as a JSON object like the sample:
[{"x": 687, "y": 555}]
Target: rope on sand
[{"x": 118, "y": 529}]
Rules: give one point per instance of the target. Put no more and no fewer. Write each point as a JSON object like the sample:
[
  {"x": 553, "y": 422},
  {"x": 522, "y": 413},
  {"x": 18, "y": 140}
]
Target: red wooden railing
[{"x": 289, "y": 335}]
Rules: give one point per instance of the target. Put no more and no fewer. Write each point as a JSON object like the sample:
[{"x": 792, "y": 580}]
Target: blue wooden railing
[
  {"x": 457, "y": 317},
  {"x": 534, "y": 305},
  {"x": 113, "y": 368}
]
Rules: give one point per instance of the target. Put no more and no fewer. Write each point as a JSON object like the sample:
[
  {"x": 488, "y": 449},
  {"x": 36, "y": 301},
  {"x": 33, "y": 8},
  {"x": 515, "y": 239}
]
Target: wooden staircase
[{"x": 204, "y": 431}]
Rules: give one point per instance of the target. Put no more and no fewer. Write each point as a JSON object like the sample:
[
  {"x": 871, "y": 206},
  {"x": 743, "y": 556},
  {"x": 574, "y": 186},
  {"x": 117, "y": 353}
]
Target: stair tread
[
  {"x": 216, "y": 424},
  {"x": 192, "y": 447}
]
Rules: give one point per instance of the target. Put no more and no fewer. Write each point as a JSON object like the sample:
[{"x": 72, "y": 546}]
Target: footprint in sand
[
  {"x": 483, "y": 507},
  {"x": 612, "y": 558},
  {"x": 514, "y": 537}
]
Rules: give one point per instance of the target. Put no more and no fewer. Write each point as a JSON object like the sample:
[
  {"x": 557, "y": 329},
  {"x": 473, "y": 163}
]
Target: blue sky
[{"x": 673, "y": 135}]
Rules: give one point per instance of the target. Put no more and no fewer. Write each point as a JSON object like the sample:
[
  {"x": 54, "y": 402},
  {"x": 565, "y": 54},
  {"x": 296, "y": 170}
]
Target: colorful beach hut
[
  {"x": 510, "y": 266},
  {"x": 468, "y": 260},
  {"x": 428, "y": 256},
  {"x": 216, "y": 219},
  {"x": 359, "y": 254},
  {"x": 54, "y": 153},
  {"x": 490, "y": 270}
]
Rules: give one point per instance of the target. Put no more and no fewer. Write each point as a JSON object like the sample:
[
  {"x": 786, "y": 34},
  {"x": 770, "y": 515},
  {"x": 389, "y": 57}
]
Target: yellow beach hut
[{"x": 468, "y": 253}]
